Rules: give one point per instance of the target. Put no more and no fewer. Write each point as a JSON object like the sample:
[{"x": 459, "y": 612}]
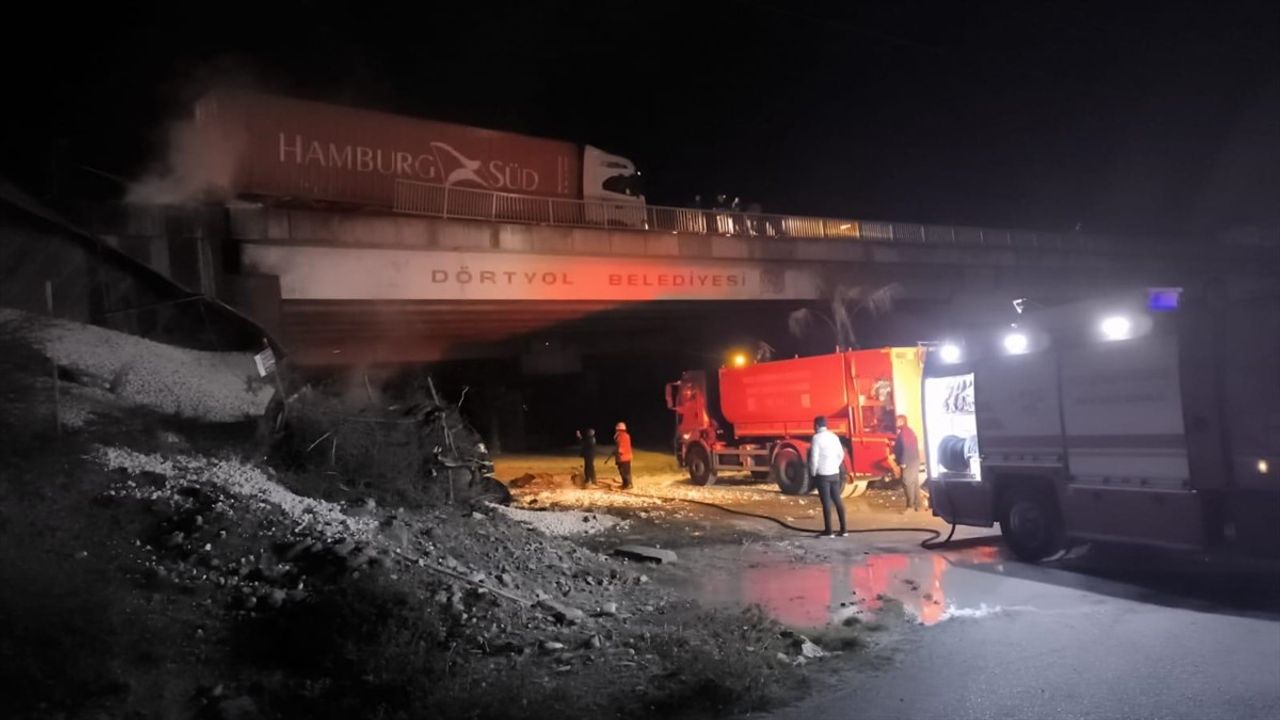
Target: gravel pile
[
  {"x": 561, "y": 522},
  {"x": 211, "y": 386},
  {"x": 236, "y": 477},
  {"x": 654, "y": 491}
]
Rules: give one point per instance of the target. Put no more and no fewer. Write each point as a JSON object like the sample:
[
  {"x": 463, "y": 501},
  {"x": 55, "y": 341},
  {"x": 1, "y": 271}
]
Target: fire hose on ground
[{"x": 930, "y": 543}]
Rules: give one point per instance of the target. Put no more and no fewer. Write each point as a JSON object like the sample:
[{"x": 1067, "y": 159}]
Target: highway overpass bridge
[{"x": 463, "y": 273}]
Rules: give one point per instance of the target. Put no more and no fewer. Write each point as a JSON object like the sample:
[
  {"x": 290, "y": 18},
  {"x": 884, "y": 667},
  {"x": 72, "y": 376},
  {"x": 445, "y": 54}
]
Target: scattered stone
[
  {"x": 807, "y": 648},
  {"x": 595, "y": 642},
  {"x": 344, "y": 548},
  {"x": 609, "y": 609},
  {"x": 396, "y": 532},
  {"x": 551, "y": 646},
  {"x": 276, "y": 598},
  {"x": 564, "y": 614}
]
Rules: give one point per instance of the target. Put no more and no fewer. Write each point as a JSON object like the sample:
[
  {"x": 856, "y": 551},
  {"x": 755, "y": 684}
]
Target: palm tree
[{"x": 846, "y": 303}]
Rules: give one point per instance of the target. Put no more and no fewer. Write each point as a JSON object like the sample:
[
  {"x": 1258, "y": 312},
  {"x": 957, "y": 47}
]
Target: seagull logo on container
[{"x": 464, "y": 168}]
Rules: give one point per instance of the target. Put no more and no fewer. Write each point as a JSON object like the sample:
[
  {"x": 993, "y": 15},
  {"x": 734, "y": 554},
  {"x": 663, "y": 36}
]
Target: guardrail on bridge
[{"x": 418, "y": 198}]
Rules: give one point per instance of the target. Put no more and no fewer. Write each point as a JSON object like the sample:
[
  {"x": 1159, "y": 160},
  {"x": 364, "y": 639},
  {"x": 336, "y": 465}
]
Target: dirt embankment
[{"x": 155, "y": 566}]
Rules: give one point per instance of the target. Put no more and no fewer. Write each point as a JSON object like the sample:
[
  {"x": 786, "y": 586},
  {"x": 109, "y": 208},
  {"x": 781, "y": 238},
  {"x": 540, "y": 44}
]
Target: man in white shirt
[{"x": 826, "y": 458}]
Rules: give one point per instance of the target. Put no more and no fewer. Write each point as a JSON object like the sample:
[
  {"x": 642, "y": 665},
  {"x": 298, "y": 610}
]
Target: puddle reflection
[{"x": 801, "y": 593}]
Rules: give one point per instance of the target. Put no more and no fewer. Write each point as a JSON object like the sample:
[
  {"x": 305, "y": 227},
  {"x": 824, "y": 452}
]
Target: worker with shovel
[{"x": 622, "y": 453}]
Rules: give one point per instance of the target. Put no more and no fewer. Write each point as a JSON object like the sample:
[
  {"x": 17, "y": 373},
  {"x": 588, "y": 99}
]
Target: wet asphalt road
[
  {"x": 1001, "y": 639},
  {"x": 1108, "y": 634}
]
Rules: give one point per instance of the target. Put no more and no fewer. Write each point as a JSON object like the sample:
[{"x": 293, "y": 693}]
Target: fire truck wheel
[
  {"x": 1031, "y": 524},
  {"x": 700, "y": 472},
  {"x": 790, "y": 472},
  {"x": 854, "y": 489}
]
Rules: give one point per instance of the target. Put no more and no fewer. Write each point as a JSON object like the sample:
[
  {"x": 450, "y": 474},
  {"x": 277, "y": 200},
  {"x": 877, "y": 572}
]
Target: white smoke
[{"x": 201, "y": 165}]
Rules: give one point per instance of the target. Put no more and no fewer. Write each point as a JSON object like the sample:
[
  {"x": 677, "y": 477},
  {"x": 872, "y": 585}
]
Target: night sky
[{"x": 1152, "y": 118}]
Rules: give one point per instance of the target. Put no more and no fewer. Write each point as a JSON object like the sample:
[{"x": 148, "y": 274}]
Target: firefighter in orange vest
[{"x": 622, "y": 453}]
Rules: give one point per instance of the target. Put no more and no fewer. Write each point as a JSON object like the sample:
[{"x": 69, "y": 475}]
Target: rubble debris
[
  {"x": 808, "y": 649},
  {"x": 201, "y": 385},
  {"x": 545, "y": 481},
  {"x": 561, "y": 522},
  {"x": 426, "y": 600},
  {"x": 645, "y": 553},
  {"x": 563, "y": 614},
  {"x": 231, "y": 475},
  {"x": 415, "y": 453}
]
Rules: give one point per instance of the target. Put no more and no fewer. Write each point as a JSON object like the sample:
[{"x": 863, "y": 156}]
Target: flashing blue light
[{"x": 1163, "y": 299}]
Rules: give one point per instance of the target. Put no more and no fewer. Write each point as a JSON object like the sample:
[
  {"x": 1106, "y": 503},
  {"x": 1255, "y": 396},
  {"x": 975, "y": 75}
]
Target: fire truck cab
[{"x": 1151, "y": 418}]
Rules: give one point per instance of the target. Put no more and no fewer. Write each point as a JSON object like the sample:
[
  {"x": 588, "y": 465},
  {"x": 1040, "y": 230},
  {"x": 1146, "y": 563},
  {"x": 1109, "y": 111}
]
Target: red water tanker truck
[{"x": 758, "y": 418}]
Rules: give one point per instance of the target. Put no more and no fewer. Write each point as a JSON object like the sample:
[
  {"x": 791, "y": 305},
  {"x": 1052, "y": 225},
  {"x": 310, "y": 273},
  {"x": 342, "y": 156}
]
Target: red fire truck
[{"x": 758, "y": 418}]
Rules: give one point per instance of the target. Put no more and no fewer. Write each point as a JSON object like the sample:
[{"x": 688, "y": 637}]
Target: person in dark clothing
[
  {"x": 753, "y": 219},
  {"x": 587, "y": 440},
  {"x": 906, "y": 452}
]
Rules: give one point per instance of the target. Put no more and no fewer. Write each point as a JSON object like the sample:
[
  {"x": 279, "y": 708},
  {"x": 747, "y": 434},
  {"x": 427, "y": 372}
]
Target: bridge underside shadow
[{"x": 346, "y": 333}]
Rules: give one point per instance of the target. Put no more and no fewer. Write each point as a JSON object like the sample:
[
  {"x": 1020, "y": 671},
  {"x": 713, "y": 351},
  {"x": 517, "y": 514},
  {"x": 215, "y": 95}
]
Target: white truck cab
[{"x": 613, "y": 189}]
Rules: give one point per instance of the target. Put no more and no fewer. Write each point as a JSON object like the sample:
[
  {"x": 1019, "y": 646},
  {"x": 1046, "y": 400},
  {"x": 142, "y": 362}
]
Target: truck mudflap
[{"x": 961, "y": 501}]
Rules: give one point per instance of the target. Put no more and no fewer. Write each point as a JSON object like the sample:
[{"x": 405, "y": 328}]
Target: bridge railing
[{"x": 418, "y": 198}]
